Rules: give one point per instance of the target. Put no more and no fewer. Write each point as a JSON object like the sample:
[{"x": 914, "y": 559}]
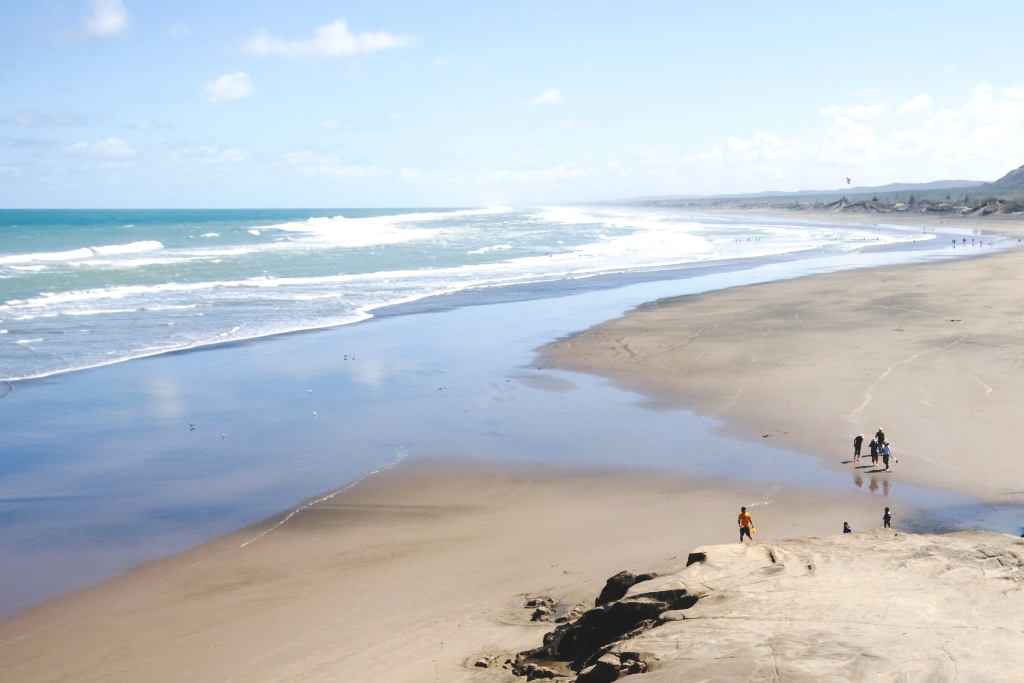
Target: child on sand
[
  {"x": 886, "y": 518},
  {"x": 885, "y": 454}
]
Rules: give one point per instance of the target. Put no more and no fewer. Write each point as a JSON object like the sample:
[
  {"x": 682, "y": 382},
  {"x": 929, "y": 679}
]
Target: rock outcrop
[{"x": 857, "y": 607}]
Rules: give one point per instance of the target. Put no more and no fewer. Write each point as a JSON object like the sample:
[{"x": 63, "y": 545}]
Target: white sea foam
[
  {"x": 484, "y": 250},
  {"x": 331, "y": 271},
  {"x": 133, "y": 248},
  {"x": 76, "y": 255},
  {"x": 47, "y": 256}
]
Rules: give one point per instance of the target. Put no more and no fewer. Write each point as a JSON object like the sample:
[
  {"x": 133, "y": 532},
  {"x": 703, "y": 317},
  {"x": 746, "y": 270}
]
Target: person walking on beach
[
  {"x": 880, "y": 437},
  {"x": 746, "y": 523},
  {"x": 857, "y": 441},
  {"x": 887, "y": 519},
  {"x": 873, "y": 447},
  {"x": 885, "y": 454}
]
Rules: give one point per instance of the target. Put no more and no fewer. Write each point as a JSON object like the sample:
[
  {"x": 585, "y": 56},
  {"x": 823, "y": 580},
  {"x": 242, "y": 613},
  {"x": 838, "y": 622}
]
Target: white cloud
[
  {"x": 920, "y": 102},
  {"x": 315, "y": 164},
  {"x": 109, "y": 17},
  {"x": 208, "y": 155},
  {"x": 111, "y": 148},
  {"x": 229, "y": 87},
  {"x": 571, "y": 124},
  {"x": 35, "y": 119},
  {"x": 149, "y": 125},
  {"x": 857, "y": 111},
  {"x": 329, "y": 40},
  {"x": 552, "y": 96}
]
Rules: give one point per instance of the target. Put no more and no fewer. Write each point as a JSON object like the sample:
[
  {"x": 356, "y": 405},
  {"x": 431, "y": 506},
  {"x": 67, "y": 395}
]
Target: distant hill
[
  {"x": 856, "y": 190},
  {"x": 963, "y": 197},
  {"x": 1011, "y": 182}
]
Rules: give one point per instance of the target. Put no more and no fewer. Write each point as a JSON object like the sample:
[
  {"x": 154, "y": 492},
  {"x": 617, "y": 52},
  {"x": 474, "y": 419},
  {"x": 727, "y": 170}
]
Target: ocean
[{"x": 85, "y": 288}]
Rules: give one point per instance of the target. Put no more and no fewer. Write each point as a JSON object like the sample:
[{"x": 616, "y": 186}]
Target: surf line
[
  {"x": 6, "y": 391},
  {"x": 401, "y": 456}
]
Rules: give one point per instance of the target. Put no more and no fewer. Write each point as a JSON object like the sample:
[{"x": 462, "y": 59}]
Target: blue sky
[{"x": 126, "y": 103}]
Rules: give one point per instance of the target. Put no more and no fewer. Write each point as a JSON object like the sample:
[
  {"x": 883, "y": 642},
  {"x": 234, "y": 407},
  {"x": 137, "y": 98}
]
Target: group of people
[
  {"x": 746, "y": 523},
  {"x": 878, "y": 447}
]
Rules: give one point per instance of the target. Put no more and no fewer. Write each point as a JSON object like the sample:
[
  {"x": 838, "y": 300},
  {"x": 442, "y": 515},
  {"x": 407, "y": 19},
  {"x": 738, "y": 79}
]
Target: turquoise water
[{"x": 81, "y": 289}]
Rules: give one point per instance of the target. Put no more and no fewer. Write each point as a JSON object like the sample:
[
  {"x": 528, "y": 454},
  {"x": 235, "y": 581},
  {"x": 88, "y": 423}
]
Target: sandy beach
[
  {"x": 417, "y": 572},
  {"x": 930, "y": 353},
  {"x": 411, "y": 575}
]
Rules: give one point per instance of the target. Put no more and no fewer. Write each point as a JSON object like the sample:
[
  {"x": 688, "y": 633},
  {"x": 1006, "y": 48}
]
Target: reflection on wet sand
[{"x": 874, "y": 484}]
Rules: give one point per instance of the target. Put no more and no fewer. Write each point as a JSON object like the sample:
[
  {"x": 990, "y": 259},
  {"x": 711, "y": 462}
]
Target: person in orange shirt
[{"x": 746, "y": 523}]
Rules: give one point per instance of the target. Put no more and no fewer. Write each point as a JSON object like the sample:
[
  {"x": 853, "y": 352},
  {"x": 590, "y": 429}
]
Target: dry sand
[
  {"x": 932, "y": 353},
  {"x": 873, "y": 606},
  {"x": 411, "y": 575}
]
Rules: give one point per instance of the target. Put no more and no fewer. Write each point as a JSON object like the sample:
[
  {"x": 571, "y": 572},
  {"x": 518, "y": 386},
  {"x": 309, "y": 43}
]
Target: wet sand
[
  {"x": 410, "y": 575},
  {"x": 932, "y": 353}
]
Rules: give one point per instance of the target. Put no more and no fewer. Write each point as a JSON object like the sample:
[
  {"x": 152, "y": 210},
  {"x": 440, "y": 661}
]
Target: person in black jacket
[
  {"x": 873, "y": 446},
  {"x": 857, "y": 441}
]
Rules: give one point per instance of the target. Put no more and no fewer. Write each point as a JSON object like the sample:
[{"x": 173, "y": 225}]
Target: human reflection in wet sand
[{"x": 873, "y": 485}]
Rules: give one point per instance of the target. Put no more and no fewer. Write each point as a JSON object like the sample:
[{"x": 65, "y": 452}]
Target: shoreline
[
  {"x": 427, "y": 558},
  {"x": 200, "y": 486},
  {"x": 430, "y": 559},
  {"x": 779, "y": 360},
  {"x": 526, "y": 291}
]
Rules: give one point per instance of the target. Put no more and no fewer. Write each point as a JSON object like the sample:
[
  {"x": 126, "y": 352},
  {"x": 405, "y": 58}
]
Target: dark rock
[
  {"x": 482, "y": 663},
  {"x": 646, "y": 577},
  {"x": 539, "y": 672},
  {"x": 587, "y": 641},
  {"x": 604, "y": 670},
  {"x": 541, "y": 614},
  {"x": 632, "y": 663},
  {"x": 539, "y": 602},
  {"x": 615, "y": 588},
  {"x": 602, "y": 625},
  {"x": 694, "y": 558}
]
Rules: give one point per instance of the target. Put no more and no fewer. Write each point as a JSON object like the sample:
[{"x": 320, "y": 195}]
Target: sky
[{"x": 133, "y": 103}]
